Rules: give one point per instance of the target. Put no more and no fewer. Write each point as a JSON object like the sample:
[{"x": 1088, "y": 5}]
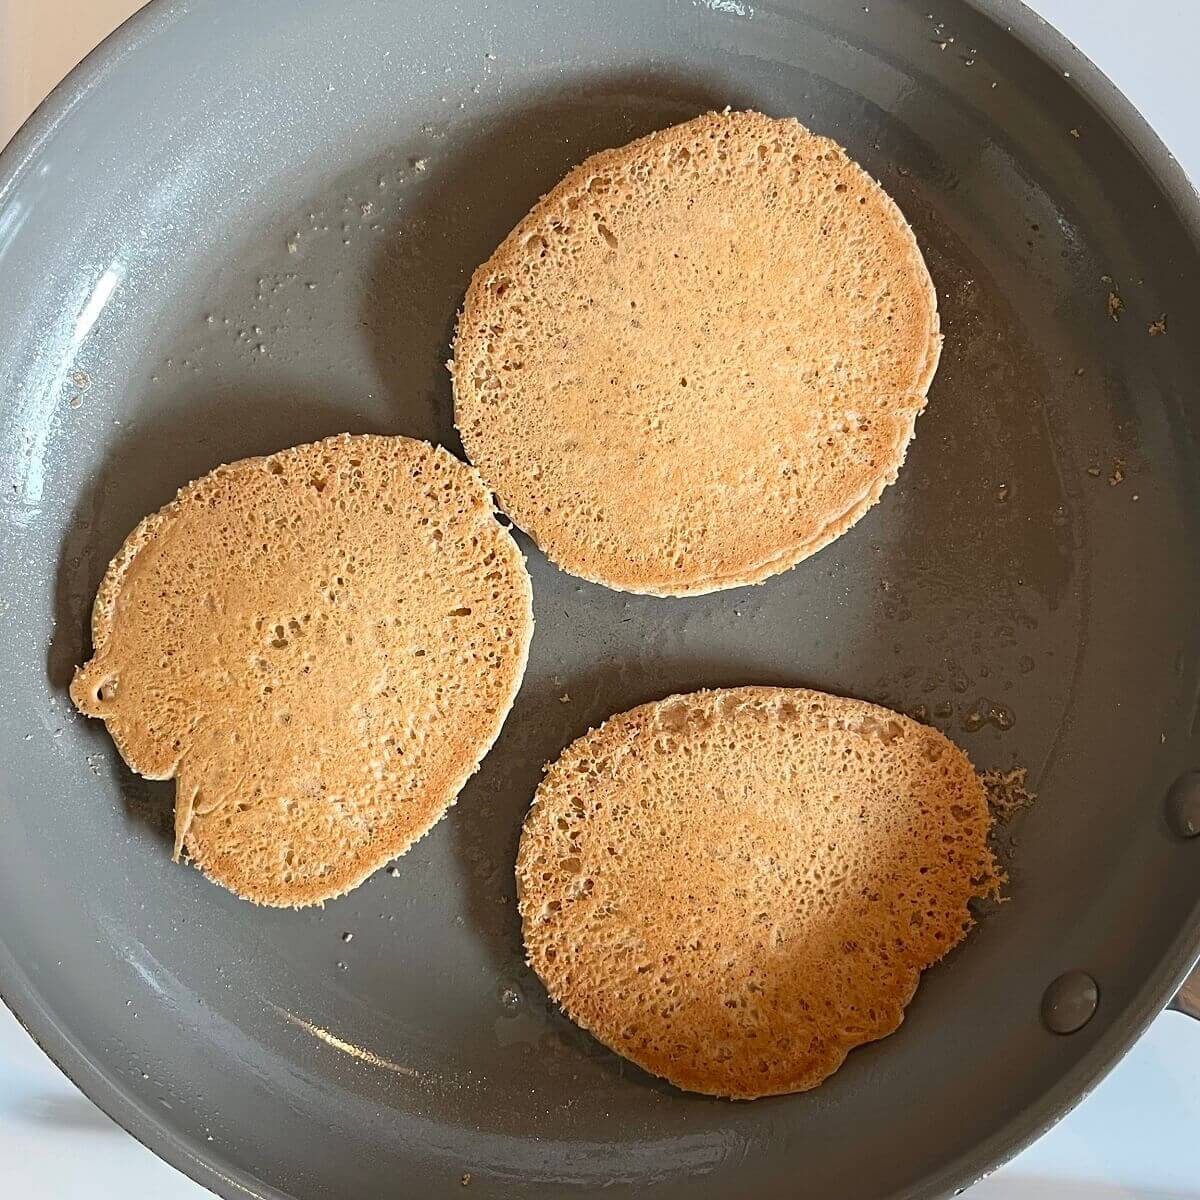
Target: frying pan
[{"x": 238, "y": 227}]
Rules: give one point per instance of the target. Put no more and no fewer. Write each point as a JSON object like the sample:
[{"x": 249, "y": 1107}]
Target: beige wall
[{"x": 40, "y": 41}]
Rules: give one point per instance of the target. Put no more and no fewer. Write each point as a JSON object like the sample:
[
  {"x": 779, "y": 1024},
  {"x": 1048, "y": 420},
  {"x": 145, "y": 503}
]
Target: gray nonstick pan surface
[{"x": 238, "y": 227}]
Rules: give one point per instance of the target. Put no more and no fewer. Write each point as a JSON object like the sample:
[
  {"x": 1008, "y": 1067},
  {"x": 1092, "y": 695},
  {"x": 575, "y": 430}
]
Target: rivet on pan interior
[
  {"x": 1183, "y": 805},
  {"x": 1070, "y": 1002}
]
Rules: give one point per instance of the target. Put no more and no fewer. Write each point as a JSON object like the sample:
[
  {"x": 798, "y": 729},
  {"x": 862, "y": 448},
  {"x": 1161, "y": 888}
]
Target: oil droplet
[
  {"x": 984, "y": 712},
  {"x": 1001, "y": 717}
]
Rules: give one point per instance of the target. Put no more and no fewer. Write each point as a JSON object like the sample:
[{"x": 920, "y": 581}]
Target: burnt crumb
[
  {"x": 1008, "y": 792},
  {"x": 1115, "y": 305}
]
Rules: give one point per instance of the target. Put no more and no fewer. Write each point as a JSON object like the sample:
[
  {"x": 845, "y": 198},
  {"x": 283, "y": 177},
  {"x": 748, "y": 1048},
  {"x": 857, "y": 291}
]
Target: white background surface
[{"x": 1137, "y": 1137}]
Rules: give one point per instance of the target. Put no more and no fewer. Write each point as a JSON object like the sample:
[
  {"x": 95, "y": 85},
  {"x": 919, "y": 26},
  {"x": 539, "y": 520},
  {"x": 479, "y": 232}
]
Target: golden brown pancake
[
  {"x": 735, "y": 888},
  {"x": 319, "y": 647},
  {"x": 700, "y": 358}
]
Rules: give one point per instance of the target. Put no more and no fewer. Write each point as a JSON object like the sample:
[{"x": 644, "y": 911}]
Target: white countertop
[{"x": 1137, "y": 1137}]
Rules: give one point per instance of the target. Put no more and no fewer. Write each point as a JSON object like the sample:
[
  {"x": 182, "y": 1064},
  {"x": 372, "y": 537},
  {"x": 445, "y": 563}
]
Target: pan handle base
[{"x": 1187, "y": 999}]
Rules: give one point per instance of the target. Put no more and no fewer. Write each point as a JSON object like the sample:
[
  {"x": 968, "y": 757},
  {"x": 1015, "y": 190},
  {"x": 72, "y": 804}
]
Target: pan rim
[{"x": 1047, "y": 44}]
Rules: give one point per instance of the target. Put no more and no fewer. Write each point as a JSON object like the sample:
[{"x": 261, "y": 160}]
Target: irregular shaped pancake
[
  {"x": 319, "y": 647},
  {"x": 700, "y": 358},
  {"x": 735, "y": 888}
]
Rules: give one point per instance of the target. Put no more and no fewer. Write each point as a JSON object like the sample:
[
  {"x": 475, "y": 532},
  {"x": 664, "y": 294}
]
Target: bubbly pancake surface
[
  {"x": 735, "y": 888},
  {"x": 319, "y": 646},
  {"x": 699, "y": 358}
]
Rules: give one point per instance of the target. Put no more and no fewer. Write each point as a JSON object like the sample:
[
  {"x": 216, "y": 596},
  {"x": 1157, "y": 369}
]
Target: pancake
[
  {"x": 735, "y": 888},
  {"x": 700, "y": 358},
  {"x": 319, "y": 647}
]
